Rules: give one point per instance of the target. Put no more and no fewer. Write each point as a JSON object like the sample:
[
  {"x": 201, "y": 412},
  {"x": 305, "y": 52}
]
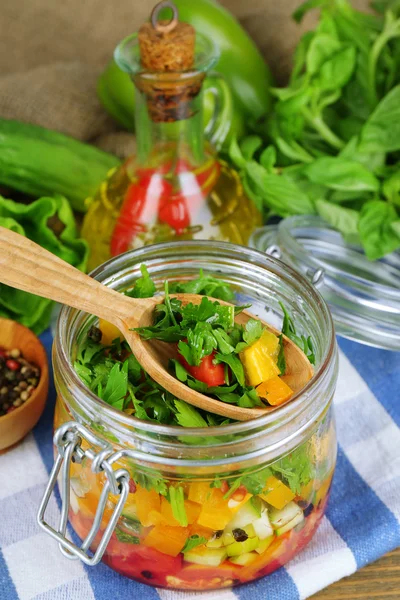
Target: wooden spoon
[{"x": 26, "y": 266}]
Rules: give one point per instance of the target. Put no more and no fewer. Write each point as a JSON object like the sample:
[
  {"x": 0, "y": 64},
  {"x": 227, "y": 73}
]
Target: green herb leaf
[
  {"x": 188, "y": 416},
  {"x": 343, "y": 219},
  {"x": 117, "y": 384},
  {"x": 281, "y": 362},
  {"x": 126, "y": 538},
  {"x": 144, "y": 287},
  {"x": 375, "y": 228},
  {"x": 176, "y": 497},
  {"x": 234, "y": 364},
  {"x": 193, "y": 542},
  {"x": 204, "y": 285},
  {"x": 381, "y": 133},
  {"x": 341, "y": 174}
]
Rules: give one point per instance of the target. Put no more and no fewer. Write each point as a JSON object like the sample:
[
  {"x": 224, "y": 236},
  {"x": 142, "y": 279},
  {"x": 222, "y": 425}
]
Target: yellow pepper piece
[
  {"x": 110, "y": 332},
  {"x": 146, "y": 502},
  {"x": 169, "y": 540},
  {"x": 259, "y": 360},
  {"x": 215, "y": 512},
  {"x": 275, "y": 391},
  {"x": 276, "y": 493},
  {"x": 198, "y": 491}
]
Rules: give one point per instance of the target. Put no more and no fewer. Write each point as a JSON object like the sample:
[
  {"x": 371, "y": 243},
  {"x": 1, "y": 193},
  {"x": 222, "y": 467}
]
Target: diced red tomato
[
  {"x": 207, "y": 371},
  {"x": 141, "y": 563}
]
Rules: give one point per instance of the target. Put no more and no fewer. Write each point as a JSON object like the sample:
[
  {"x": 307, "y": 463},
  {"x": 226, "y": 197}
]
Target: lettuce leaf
[{"x": 48, "y": 221}]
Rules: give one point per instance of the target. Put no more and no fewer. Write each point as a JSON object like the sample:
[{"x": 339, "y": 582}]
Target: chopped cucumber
[
  {"x": 215, "y": 541},
  {"x": 280, "y": 518},
  {"x": 81, "y": 488},
  {"x": 241, "y": 547},
  {"x": 244, "y": 559},
  {"x": 264, "y": 544},
  {"x": 249, "y": 529},
  {"x": 130, "y": 512},
  {"x": 248, "y": 513},
  {"x": 130, "y": 526},
  {"x": 262, "y": 527},
  {"x": 212, "y": 557},
  {"x": 298, "y": 519},
  {"x": 227, "y": 538}
]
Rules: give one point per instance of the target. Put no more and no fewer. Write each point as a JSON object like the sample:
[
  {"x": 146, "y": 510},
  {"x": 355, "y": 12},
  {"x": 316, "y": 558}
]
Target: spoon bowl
[{"x": 29, "y": 267}]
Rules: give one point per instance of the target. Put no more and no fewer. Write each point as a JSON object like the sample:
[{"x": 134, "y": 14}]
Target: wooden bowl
[{"x": 15, "y": 425}]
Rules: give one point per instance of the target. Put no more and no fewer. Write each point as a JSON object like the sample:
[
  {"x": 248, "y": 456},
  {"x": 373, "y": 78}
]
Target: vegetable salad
[{"x": 191, "y": 532}]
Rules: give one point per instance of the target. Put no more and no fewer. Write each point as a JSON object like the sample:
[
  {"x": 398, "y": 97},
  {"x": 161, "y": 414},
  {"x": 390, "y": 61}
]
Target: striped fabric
[{"x": 362, "y": 521}]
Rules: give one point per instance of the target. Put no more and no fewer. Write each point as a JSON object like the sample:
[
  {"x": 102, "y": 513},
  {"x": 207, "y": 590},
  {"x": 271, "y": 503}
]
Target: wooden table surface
[{"x": 378, "y": 581}]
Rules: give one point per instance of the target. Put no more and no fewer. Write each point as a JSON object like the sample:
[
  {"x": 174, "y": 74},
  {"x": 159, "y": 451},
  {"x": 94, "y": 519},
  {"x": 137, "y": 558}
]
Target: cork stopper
[{"x": 166, "y": 46}]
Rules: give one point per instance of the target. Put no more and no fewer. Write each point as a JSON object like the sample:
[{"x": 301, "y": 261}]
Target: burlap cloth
[{"x": 51, "y": 53}]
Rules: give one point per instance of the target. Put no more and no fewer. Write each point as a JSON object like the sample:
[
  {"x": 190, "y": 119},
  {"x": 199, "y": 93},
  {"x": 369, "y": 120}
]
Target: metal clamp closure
[{"x": 68, "y": 441}]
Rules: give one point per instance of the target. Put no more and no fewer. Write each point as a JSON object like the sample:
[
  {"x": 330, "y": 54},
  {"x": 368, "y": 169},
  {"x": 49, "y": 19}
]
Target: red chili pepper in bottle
[
  {"x": 139, "y": 207},
  {"x": 174, "y": 212}
]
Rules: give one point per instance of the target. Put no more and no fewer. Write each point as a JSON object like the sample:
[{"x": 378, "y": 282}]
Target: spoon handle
[{"x": 29, "y": 267}]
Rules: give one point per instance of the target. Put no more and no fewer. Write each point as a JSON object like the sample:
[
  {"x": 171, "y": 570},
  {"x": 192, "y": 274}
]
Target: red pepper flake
[{"x": 13, "y": 365}]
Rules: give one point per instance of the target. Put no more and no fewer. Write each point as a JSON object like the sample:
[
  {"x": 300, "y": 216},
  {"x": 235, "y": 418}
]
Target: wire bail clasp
[{"x": 68, "y": 442}]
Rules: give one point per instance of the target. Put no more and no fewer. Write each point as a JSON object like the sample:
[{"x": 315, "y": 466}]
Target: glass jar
[
  {"x": 174, "y": 187},
  {"x": 202, "y": 508}
]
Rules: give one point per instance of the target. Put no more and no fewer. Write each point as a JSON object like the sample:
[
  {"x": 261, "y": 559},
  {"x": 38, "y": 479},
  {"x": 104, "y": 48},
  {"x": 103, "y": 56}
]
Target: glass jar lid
[{"x": 363, "y": 296}]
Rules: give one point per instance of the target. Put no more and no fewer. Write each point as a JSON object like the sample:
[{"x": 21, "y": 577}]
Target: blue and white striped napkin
[{"x": 362, "y": 521}]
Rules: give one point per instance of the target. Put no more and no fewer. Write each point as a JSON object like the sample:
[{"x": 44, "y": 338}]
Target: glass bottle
[{"x": 174, "y": 187}]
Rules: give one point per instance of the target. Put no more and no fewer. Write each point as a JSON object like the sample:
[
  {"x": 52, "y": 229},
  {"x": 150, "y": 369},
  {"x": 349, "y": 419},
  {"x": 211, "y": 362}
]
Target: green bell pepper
[{"x": 240, "y": 63}]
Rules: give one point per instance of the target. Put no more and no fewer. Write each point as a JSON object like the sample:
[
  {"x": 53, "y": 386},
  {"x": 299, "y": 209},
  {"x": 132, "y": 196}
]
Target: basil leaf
[
  {"x": 343, "y": 219},
  {"x": 381, "y": 133},
  {"x": 250, "y": 145},
  {"x": 341, "y": 174},
  {"x": 280, "y": 194},
  {"x": 375, "y": 227}
]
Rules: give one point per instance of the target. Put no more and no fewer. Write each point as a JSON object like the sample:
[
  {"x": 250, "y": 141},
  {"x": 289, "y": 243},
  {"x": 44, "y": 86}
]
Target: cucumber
[
  {"x": 245, "y": 515},
  {"x": 212, "y": 557},
  {"x": 241, "y": 547},
  {"x": 130, "y": 512},
  {"x": 297, "y": 519},
  {"x": 215, "y": 541},
  {"x": 285, "y": 519},
  {"x": 262, "y": 526},
  {"x": 42, "y": 162},
  {"x": 264, "y": 544},
  {"x": 244, "y": 559}
]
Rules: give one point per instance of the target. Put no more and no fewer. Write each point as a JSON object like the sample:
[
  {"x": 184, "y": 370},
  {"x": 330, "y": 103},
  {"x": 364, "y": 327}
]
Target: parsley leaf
[
  {"x": 188, "y": 416},
  {"x": 234, "y": 363},
  {"x": 281, "y": 362},
  {"x": 193, "y": 542},
  {"x": 289, "y": 329},
  {"x": 144, "y": 286},
  {"x": 201, "y": 342},
  {"x": 205, "y": 285},
  {"x": 208, "y": 311},
  {"x": 252, "y": 332},
  {"x": 117, "y": 385},
  {"x": 250, "y": 399}
]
